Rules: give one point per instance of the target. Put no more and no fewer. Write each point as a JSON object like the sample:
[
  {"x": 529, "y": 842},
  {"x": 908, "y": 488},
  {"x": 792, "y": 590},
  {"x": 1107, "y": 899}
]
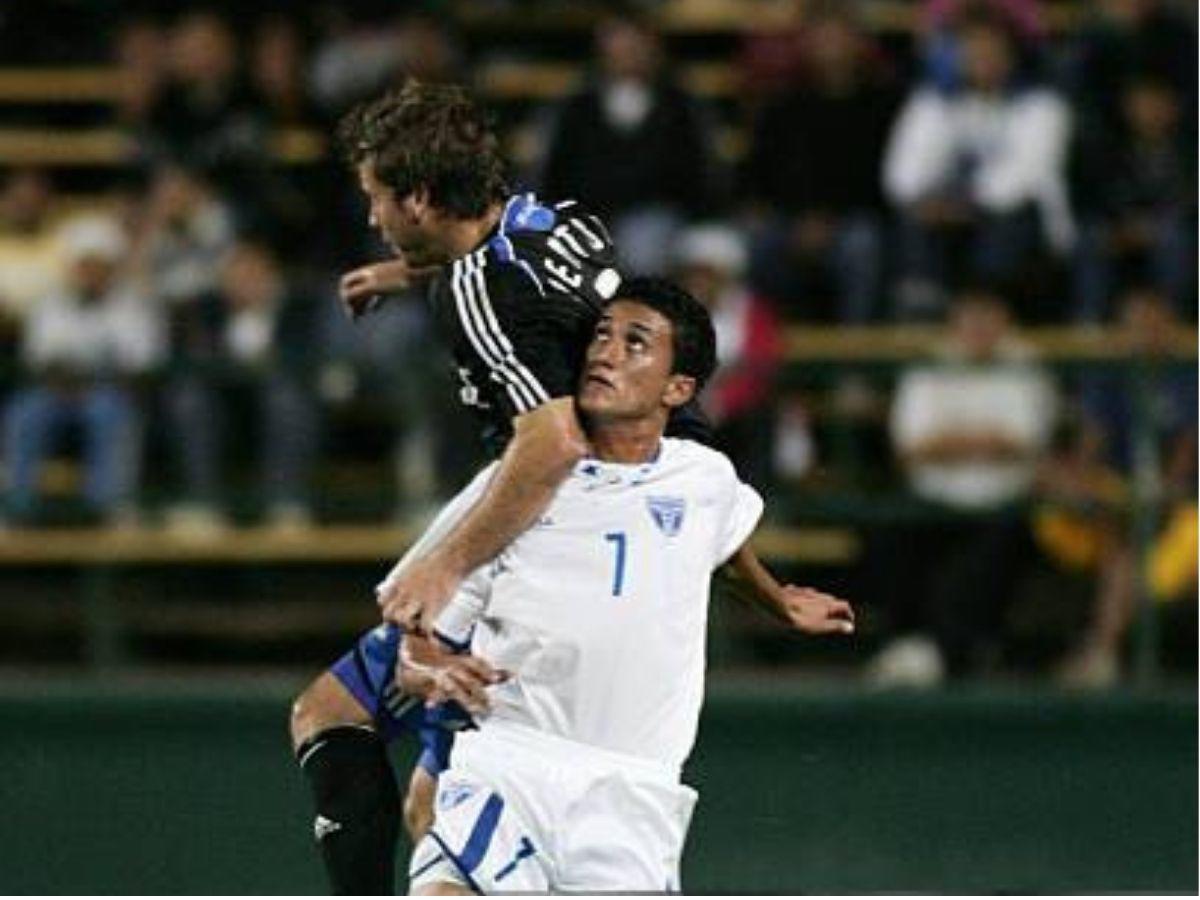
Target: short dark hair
[
  {"x": 694, "y": 342},
  {"x": 431, "y": 136}
]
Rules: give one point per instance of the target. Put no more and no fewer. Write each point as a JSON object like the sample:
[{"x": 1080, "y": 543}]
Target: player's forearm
[
  {"x": 546, "y": 445},
  {"x": 753, "y": 583}
]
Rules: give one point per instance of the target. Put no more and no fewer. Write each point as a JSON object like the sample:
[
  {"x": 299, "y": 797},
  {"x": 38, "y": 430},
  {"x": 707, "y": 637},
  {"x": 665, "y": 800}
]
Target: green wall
[{"x": 180, "y": 791}]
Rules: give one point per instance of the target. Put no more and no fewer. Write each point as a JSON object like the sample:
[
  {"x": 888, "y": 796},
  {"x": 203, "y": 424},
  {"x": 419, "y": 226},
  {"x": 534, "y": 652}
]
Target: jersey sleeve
[
  {"x": 743, "y": 508},
  {"x": 522, "y": 352},
  {"x": 456, "y": 623}
]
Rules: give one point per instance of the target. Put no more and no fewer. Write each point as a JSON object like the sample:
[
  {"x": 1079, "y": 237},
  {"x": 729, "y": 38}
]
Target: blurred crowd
[{"x": 983, "y": 173}]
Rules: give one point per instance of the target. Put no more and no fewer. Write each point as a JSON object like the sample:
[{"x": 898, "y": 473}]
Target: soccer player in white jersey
[{"x": 593, "y": 624}]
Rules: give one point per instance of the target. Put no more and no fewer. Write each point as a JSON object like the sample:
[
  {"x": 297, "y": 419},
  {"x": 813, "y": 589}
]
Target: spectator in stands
[
  {"x": 205, "y": 116},
  {"x": 980, "y": 168},
  {"x": 1156, "y": 452},
  {"x": 969, "y": 432},
  {"x": 813, "y": 168},
  {"x": 359, "y": 57},
  {"x": 1080, "y": 526},
  {"x": 183, "y": 235},
  {"x": 31, "y": 258},
  {"x": 776, "y": 59},
  {"x": 711, "y": 263},
  {"x": 296, "y": 191},
  {"x": 83, "y": 346},
  {"x": 1137, "y": 200},
  {"x": 940, "y": 22},
  {"x": 265, "y": 341},
  {"x": 1125, "y": 39},
  {"x": 278, "y": 74},
  {"x": 388, "y": 367},
  {"x": 140, "y": 54},
  {"x": 634, "y": 144},
  {"x": 1169, "y": 406}
]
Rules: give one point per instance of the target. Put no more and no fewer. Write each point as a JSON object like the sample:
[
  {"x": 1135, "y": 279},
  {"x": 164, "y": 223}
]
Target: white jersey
[{"x": 600, "y": 609}]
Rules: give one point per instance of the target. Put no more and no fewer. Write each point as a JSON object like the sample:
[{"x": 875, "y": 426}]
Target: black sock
[{"x": 358, "y": 808}]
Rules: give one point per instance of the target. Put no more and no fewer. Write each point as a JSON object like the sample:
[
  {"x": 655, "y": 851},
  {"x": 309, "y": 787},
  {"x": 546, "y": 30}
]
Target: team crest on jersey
[{"x": 667, "y": 513}]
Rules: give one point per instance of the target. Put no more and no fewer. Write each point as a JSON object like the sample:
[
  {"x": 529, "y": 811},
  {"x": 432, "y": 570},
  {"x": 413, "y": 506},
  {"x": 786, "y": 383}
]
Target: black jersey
[{"x": 518, "y": 312}]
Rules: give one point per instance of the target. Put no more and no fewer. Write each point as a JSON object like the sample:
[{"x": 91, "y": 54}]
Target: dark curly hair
[
  {"x": 694, "y": 342},
  {"x": 431, "y": 136}
]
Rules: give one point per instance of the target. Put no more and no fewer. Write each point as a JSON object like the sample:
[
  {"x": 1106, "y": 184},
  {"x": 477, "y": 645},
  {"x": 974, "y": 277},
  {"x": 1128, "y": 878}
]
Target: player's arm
[
  {"x": 547, "y": 443},
  {"x": 366, "y": 288},
  {"x": 430, "y": 670},
  {"x": 803, "y": 608}
]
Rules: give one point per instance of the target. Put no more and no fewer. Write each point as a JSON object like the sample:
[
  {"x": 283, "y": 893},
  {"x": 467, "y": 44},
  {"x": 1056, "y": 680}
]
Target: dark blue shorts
[{"x": 368, "y": 673}]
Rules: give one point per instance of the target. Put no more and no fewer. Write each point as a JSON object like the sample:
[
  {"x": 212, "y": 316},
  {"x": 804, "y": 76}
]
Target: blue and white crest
[{"x": 667, "y": 513}]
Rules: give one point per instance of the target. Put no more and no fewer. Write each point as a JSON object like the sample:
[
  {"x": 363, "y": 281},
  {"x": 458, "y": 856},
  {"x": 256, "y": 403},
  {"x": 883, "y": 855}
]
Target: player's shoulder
[{"x": 697, "y": 460}]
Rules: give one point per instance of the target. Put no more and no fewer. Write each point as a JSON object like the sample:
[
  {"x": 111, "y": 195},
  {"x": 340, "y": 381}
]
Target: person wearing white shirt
[
  {"x": 969, "y": 431},
  {"x": 588, "y": 633},
  {"x": 987, "y": 160},
  {"x": 81, "y": 347}
]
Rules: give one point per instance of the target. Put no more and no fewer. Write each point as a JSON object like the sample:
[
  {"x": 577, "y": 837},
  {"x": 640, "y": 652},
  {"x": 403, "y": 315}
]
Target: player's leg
[
  {"x": 340, "y": 728},
  {"x": 442, "y": 889},
  {"x": 625, "y": 835},
  {"x": 418, "y": 803}
]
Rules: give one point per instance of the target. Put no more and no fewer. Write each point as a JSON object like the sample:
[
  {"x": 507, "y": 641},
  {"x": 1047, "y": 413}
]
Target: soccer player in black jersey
[{"x": 517, "y": 286}]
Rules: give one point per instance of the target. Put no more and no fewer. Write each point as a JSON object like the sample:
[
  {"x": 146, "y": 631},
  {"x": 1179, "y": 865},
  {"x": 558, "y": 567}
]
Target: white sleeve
[
  {"x": 916, "y": 410},
  {"x": 1035, "y": 159},
  {"x": 739, "y": 517},
  {"x": 457, "y": 621},
  {"x": 451, "y": 514},
  {"x": 919, "y": 149}
]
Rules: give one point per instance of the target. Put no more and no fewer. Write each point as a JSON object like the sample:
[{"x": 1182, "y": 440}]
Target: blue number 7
[{"x": 618, "y": 538}]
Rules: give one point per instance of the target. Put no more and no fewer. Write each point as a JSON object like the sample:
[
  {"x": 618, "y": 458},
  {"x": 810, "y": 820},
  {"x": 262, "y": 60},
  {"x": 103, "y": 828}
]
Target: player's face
[
  {"x": 627, "y": 372},
  {"x": 399, "y": 221}
]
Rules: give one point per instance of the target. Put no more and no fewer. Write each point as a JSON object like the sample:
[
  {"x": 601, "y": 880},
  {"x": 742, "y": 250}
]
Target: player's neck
[
  {"x": 630, "y": 441},
  {"x": 464, "y": 235}
]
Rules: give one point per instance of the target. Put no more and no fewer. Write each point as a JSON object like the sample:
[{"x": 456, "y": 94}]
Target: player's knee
[
  {"x": 302, "y": 723},
  {"x": 325, "y": 703}
]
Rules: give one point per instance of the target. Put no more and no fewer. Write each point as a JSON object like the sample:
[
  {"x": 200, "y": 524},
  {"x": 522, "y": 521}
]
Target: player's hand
[
  {"x": 814, "y": 612},
  {"x": 440, "y": 677},
  {"x": 465, "y": 680},
  {"x": 416, "y": 598},
  {"x": 365, "y": 289}
]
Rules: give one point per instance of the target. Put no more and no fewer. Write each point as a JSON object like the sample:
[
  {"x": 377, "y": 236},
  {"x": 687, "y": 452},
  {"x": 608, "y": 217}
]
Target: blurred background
[{"x": 950, "y": 247}]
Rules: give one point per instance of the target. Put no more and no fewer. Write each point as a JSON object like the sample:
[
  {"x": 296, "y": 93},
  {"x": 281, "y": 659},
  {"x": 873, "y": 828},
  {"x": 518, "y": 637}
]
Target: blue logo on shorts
[
  {"x": 667, "y": 513},
  {"x": 455, "y": 794}
]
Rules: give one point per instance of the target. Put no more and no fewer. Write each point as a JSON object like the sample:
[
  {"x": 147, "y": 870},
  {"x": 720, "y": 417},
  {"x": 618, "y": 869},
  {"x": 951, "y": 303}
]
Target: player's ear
[
  {"x": 679, "y": 390},
  {"x": 416, "y": 204}
]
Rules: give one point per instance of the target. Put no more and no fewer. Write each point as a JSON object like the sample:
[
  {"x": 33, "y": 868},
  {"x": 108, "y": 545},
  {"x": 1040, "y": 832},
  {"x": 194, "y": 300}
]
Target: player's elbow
[{"x": 552, "y": 434}]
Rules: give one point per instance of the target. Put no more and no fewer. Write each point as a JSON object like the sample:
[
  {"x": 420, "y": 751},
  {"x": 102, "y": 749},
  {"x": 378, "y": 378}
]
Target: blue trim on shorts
[
  {"x": 413, "y": 876},
  {"x": 454, "y": 861},
  {"x": 367, "y": 672},
  {"x": 483, "y": 832}
]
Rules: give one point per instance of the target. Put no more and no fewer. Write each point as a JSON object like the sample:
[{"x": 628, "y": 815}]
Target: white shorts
[{"x": 520, "y": 811}]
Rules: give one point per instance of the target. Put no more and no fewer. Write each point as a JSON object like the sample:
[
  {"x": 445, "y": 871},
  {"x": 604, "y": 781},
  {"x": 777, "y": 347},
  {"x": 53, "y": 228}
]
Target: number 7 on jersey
[{"x": 618, "y": 540}]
